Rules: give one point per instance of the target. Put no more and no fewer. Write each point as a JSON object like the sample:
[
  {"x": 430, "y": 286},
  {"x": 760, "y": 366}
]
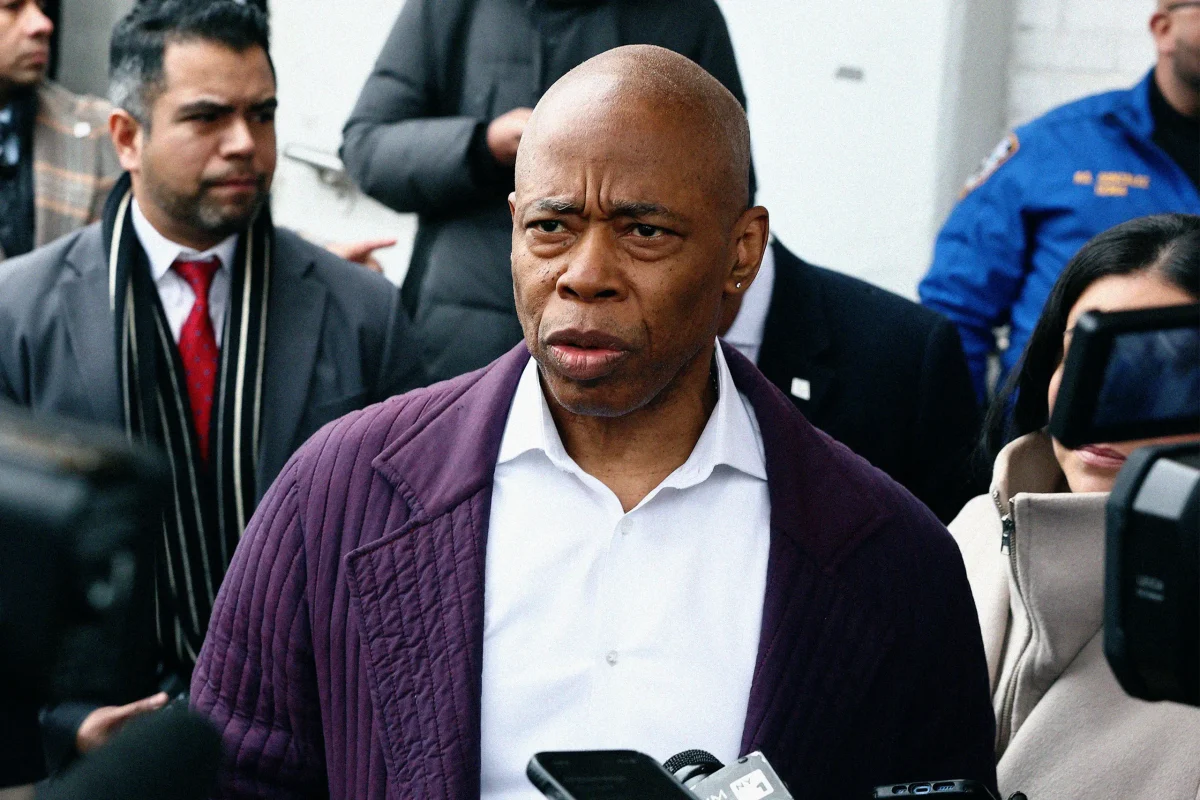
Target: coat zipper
[
  {"x": 1007, "y": 526},
  {"x": 1008, "y": 543}
]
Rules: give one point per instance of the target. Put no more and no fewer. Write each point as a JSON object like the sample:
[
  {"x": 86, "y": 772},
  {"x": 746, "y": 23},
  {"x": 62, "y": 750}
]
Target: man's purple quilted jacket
[{"x": 344, "y": 654}]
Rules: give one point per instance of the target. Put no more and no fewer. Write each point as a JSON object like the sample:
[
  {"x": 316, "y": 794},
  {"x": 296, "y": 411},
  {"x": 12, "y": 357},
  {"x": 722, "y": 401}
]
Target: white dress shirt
[
  {"x": 605, "y": 629},
  {"x": 174, "y": 292},
  {"x": 746, "y": 332}
]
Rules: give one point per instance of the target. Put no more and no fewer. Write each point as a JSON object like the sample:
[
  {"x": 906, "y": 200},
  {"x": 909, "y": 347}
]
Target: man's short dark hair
[{"x": 141, "y": 38}]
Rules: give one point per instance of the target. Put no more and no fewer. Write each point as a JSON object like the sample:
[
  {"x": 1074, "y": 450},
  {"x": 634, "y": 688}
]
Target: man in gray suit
[{"x": 186, "y": 319}]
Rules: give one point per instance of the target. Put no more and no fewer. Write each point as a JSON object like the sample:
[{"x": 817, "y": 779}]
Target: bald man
[
  {"x": 629, "y": 540},
  {"x": 1056, "y": 182}
]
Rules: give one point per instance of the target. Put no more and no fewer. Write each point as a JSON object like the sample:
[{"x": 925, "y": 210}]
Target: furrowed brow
[
  {"x": 558, "y": 205},
  {"x": 634, "y": 210}
]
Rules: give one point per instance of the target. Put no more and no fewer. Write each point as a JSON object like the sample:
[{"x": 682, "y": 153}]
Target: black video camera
[
  {"x": 1128, "y": 376},
  {"x": 79, "y": 509}
]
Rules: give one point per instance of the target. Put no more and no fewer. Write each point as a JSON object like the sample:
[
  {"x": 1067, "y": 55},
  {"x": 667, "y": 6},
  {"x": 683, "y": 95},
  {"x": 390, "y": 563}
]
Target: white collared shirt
[
  {"x": 174, "y": 292},
  {"x": 612, "y": 630},
  {"x": 746, "y": 332}
]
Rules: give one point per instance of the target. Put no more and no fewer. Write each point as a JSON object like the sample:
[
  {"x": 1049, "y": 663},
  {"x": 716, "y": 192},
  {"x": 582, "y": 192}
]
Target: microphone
[
  {"x": 749, "y": 778},
  {"x": 172, "y": 754}
]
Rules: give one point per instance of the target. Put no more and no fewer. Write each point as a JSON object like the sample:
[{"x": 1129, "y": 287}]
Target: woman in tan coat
[{"x": 1034, "y": 550}]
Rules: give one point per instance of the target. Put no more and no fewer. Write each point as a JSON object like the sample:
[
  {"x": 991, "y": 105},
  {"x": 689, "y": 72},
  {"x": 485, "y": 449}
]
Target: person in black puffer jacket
[{"x": 436, "y": 128}]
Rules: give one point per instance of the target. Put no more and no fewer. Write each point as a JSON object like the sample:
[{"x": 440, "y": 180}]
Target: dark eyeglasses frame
[{"x": 1182, "y": 4}]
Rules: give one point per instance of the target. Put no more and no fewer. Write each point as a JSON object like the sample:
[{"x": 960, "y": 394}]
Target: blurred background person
[
  {"x": 436, "y": 130},
  {"x": 186, "y": 319},
  {"x": 1034, "y": 551},
  {"x": 56, "y": 161},
  {"x": 877, "y": 372},
  {"x": 1054, "y": 183}
]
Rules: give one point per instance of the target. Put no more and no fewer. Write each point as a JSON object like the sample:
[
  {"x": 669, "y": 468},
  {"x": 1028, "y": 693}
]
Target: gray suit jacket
[{"x": 337, "y": 340}]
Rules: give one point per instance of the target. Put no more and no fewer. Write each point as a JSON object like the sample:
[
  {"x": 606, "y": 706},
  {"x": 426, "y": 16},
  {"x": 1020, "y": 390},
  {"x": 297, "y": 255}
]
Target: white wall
[
  {"x": 854, "y": 170},
  {"x": 85, "y": 27},
  {"x": 1064, "y": 49},
  {"x": 975, "y": 95},
  {"x": 324, "y": 50}
]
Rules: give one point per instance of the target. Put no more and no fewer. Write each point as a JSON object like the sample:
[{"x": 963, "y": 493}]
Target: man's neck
[
  {"x": 634, "y": 453},
  {"x": 1180, "y": 96},
  {"x": 183, "y": 235}
]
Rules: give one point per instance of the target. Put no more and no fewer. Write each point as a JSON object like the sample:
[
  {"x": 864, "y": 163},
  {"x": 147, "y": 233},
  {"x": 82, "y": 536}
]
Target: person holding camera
[{"x": 1034, "y": 550}]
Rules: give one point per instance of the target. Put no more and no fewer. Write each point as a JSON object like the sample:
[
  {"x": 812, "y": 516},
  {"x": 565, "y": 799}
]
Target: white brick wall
[{"x": 1064, "y": 49}]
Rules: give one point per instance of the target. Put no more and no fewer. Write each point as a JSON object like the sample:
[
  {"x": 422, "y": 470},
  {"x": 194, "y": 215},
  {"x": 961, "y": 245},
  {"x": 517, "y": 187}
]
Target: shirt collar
[
  {"x": 162, "y": 252},
  {"x": 751, "y": 321},
  {"x": 731, "y": 437}
]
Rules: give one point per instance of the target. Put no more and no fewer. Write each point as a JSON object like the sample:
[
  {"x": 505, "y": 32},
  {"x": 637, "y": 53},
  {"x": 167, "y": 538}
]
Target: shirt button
[
  {"x": 611, "y": 658},
  {"x": 623, "y": 528}
]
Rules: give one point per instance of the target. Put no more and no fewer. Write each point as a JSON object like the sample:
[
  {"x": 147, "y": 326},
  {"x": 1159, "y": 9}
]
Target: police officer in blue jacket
[{"x": 1054, "y": 183}]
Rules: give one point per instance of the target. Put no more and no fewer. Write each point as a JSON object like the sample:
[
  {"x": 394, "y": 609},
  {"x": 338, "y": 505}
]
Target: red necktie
[{"x": 198, "y": 346}]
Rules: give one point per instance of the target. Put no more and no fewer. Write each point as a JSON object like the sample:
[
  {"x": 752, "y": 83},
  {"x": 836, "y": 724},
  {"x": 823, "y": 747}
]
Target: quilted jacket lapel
[
  {"x": 419, "y": 599},
  {"x": 418, "y": 592},
  {"x": 819, "y": 648}
]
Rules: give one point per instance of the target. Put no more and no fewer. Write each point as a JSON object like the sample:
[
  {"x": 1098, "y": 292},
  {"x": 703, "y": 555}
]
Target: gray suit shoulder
[{"x": 28, "y": 280}]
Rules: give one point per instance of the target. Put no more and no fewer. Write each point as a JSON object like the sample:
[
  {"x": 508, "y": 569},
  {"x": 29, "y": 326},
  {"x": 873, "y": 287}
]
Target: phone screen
[
  {"x": 608, "y": 775},
  {"x": 1151, "y": 375}
]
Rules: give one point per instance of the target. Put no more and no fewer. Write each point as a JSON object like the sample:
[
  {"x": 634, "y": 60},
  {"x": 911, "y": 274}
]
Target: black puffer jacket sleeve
[{"x": 402, "y": 144}]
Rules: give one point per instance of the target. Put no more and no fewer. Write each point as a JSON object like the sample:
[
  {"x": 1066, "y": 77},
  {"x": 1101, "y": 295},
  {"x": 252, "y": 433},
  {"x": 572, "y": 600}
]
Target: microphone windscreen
[
  {"x": 692, "y": 766},
  {"x": 171, "y": 754},
  {"x": 690, "y": 758}
]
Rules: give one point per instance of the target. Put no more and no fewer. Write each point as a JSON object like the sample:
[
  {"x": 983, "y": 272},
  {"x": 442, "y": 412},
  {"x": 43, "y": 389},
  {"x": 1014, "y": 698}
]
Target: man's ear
[
  {"x": 127, "y": 138},
  {"x": 1160, "y": 29},
  {"x": 751, "y": 233}
]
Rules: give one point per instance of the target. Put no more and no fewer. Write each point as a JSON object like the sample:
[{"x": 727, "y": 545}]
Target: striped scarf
[{"x": 212, "y": 501}]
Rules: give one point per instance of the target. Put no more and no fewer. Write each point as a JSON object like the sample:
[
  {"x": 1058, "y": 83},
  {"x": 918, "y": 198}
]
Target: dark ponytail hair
[{"x": 1166, "y": 243}]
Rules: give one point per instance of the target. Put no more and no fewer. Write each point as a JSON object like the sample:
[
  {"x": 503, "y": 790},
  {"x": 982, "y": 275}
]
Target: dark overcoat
[{"x": 882, "y": 375}]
